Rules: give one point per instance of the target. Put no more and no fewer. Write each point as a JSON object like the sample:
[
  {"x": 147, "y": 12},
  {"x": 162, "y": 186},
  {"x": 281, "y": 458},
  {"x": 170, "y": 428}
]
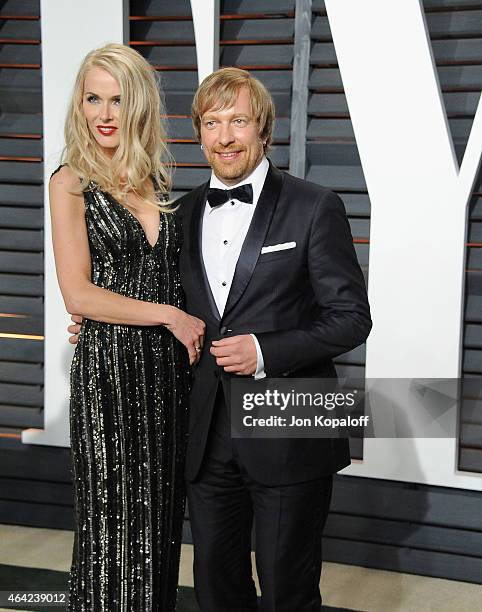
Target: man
[
  {"x": 283, "y": 311},
  {"x": 286, "y": 310}
]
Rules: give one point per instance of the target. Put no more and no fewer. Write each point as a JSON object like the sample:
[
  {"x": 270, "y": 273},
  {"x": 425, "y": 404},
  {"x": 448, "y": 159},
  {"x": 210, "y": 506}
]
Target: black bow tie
[{"x": 243, "y": 193}]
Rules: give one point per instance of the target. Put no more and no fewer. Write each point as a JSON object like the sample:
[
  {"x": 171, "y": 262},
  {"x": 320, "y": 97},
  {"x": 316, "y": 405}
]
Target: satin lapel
[
  {"x": 197, "y": 262},
  {"x": 255, "y": 237}
]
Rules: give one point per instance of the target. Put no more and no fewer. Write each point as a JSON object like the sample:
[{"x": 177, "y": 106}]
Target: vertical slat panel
[
  {"x": 299, "y": 101},
  {"x": 21, "y": 218},
  {"x": 163, "y": 33}
]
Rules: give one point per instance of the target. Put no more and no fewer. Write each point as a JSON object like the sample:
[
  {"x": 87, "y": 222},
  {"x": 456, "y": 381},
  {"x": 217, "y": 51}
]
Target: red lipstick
[{"x": 106, "y": 130}]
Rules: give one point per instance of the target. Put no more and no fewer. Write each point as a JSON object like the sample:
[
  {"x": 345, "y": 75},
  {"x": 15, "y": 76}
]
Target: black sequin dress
[{"x": 128, "y": 422}]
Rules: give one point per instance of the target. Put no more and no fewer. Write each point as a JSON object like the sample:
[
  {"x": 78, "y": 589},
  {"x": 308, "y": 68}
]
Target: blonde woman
[{"x": 116, "y": 243}]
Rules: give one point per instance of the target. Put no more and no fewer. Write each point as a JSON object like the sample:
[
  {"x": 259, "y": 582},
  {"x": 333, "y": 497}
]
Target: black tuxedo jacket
[{"x": 306, "y": 305}]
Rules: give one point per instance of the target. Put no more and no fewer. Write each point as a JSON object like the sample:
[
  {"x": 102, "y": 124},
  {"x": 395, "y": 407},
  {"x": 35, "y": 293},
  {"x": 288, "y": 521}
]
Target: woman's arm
[{"x": 73, "y": 264}]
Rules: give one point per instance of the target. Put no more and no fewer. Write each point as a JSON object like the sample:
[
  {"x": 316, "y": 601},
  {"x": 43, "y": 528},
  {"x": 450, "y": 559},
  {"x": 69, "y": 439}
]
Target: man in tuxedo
[
  {"x": 268, "y": 263},
  {"x": 286, "y": 310}
]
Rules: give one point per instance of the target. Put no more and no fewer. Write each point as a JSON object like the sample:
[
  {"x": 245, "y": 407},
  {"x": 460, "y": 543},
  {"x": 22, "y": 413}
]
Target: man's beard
[{"x": 234, "y": 170}]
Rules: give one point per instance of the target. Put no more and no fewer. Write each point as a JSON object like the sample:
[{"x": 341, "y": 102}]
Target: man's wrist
[{"x": 259, "y": 372}]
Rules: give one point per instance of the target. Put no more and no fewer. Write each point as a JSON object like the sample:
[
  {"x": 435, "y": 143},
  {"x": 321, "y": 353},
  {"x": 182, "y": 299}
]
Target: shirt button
[
  {"x": 224, "y": 283},
  {"x": 225, "y": 242},
  {"x": 232, "y": 203}
]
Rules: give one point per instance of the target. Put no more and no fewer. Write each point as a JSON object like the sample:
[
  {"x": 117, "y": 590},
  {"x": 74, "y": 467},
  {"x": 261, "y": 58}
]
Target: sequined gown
[{"x": 128, "y": 422}]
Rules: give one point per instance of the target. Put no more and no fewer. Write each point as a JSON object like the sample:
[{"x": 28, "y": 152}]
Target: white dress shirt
[{"x": 224, "y": 230}]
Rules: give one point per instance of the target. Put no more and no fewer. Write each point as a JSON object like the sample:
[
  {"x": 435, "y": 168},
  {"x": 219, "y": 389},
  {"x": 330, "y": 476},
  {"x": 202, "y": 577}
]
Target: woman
[{"x": 116, "y": 245}]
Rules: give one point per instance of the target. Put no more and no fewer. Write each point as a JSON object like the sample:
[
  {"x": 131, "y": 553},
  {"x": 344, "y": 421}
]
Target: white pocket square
[{"x": 278, "y": 247}]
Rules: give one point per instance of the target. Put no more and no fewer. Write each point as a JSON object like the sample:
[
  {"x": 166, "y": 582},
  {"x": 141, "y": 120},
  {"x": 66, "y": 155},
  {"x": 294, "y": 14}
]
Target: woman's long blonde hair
[{"x": 142, "y": 150}]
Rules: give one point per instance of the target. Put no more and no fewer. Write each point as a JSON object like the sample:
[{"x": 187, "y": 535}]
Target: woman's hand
[
  {"x": 189, "y": 331},
  {"x": 75, "y": 328}
]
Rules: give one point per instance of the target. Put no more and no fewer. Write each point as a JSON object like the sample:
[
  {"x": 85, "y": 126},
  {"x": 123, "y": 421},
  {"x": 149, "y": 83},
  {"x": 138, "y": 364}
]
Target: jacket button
[{"x": 223, "y": 329}]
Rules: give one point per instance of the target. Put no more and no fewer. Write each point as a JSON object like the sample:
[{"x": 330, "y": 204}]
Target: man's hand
[
  {"x": 74, "y": 329},
  {"x": 236, "y": 354}
]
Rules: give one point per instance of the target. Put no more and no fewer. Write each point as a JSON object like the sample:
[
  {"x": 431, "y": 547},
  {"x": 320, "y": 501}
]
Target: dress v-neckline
[
  {"x": 143, "y": 231},
  {"x": 141, "y": 227}
]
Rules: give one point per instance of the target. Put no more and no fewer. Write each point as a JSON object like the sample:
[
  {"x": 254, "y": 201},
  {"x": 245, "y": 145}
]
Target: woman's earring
[{"x": 202, "y": 148}]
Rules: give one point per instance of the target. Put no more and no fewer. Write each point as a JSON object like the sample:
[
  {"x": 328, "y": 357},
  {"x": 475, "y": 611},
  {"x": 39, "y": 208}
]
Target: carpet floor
[{"x": 17, "y": 578}]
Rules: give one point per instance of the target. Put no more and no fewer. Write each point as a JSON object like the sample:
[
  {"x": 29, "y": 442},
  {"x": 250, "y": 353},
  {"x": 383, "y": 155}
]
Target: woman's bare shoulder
[
  {"x": 64, "y": 193},
  {"x": 65, "y": 179}
]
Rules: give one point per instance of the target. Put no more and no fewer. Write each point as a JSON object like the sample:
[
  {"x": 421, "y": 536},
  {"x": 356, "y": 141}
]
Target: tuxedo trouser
[{"x": 288, "y": 521}]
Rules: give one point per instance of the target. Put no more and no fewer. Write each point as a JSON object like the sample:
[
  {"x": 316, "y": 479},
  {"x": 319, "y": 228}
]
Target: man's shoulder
[
  {"x": 309, "y": 194},
  {"x": 186, "y": 202}
]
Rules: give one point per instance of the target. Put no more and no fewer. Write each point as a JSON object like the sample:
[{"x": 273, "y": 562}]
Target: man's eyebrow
[{"x": 213, "y": 115}]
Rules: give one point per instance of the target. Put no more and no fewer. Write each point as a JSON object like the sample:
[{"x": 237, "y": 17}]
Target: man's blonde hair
[{"x": 219, "y": 91}]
